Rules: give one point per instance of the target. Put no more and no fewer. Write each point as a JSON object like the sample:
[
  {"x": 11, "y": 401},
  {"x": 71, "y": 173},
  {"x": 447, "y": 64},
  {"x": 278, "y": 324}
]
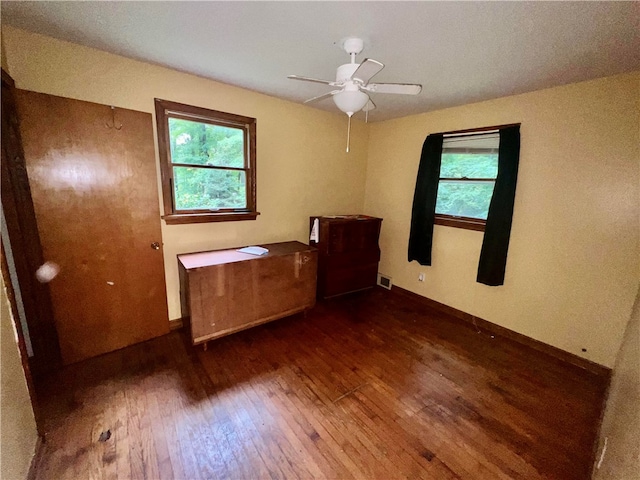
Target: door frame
[{"x": 26, "y": 249}]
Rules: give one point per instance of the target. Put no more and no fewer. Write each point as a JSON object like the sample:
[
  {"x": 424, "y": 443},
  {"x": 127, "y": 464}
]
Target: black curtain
[
  {"x": 424, "y": 200},
  {"x": 493, "y": 256}
]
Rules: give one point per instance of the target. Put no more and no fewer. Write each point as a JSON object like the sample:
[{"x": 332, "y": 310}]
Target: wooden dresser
[
  {"x": 224, "y": 291},
  {"x": 348, "y": 253}
]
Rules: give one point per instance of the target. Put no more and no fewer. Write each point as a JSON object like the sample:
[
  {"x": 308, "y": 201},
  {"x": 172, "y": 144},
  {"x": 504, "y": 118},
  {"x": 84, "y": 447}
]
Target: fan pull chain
[{"x": 348, "y": 132}]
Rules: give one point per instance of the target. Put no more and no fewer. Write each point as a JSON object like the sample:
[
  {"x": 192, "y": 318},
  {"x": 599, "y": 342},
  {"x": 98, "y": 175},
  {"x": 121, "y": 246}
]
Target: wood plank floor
[{"x": 373, "y": 386}]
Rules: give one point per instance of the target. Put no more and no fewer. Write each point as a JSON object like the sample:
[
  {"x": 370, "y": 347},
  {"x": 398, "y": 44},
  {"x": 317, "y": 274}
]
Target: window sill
[
  {"x": 460, "y": 222},
  {"x": 182, "y": 218}
]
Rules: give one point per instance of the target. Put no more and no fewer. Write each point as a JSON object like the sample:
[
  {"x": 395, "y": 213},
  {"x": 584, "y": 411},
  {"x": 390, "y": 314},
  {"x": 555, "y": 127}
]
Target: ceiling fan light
[{"x": 350, "y": 102}]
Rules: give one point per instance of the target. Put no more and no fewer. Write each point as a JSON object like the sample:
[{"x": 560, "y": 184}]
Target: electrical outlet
[{"x": 421, "y": 277}]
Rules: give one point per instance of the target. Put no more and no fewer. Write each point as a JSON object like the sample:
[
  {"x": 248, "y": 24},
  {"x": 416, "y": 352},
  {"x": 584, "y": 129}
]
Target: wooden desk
[{"x": 224, "y": 291}]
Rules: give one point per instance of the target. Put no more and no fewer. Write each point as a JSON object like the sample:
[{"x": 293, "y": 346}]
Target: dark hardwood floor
[{"x": 371, "y": 386}]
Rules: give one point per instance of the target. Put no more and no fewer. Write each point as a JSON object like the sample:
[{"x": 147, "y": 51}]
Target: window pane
[
  {"x": 470, "y": 165},
  {"x": 204, "y": 188},
  {"x": 464, "y": 199},
  {"x": 197, "y": 143}
]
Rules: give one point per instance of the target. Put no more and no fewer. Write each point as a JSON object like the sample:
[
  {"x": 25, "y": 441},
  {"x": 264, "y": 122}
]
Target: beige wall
[
  {"x": 574, "y": 254},
  {"x": 574, "y": 260},
  {"x": 18, "y": 432},
  {"x": 302, "y": 166},
  {"x": 3, "y": 57},
  {"x": 621, "y": 423}
]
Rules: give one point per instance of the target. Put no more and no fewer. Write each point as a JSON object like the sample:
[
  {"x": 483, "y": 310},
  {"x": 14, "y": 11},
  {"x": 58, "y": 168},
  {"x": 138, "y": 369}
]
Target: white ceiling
[{"x": 461, "y": 52}]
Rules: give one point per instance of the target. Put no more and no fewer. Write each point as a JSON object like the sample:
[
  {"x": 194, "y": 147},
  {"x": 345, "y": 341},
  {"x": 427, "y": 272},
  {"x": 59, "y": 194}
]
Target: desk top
[
  {"x": 345, "y": 218},
  {"x": 191, "y": 261}
]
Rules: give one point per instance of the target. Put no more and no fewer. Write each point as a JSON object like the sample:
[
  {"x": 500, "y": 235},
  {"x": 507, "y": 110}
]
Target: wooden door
[{"x": 93, "y": 180}]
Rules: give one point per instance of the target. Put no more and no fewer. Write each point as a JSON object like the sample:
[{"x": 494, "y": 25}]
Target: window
[
  {"x": 208, "y": 164},
  {"x": 468, "y": 170},
  {"x": 471, "y": 188}
]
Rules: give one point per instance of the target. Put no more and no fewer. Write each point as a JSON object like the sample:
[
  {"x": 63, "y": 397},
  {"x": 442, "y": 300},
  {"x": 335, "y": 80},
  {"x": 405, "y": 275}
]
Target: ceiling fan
[{"x": 352, "y": 80}]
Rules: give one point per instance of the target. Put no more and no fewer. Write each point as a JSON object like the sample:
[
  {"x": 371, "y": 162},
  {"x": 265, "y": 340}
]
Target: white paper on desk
[
  {"x": 253, "y": 250},
  {"x": 315, "y": 232}
]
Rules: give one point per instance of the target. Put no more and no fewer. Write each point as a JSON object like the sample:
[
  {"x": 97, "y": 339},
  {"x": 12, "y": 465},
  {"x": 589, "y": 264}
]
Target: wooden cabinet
[
  {"x": 348, "y": 253},
  {"x": 224, "y": 291}
]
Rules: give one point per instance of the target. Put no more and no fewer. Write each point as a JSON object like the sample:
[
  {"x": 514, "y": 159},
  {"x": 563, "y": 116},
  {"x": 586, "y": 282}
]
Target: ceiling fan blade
[
  {"x": 401, "y": 88},
  {"x": 367, "y": 69},
  {"x": 309, "y": 79},
  {"x": 369, "y": 106},
  {"x": 321, "y": 97}
]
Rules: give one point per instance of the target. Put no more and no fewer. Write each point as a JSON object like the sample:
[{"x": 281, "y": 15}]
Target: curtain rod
[{"x": 478, "y": 130}]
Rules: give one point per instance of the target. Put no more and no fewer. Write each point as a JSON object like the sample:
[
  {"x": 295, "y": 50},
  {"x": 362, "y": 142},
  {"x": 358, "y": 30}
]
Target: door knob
[{"x": 155, "y": 246}]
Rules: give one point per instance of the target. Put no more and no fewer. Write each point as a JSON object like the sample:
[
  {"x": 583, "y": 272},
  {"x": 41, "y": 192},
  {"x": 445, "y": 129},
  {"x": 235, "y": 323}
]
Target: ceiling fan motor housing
[{"x": 353, "y": 45}]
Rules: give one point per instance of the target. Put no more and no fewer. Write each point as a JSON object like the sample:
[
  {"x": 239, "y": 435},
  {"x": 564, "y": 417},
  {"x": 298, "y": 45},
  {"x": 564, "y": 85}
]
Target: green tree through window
[
  {"x": 469, "y": 166},
  {"x": 196, "y": 143},
  {"x": 470, "y": 194}
]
